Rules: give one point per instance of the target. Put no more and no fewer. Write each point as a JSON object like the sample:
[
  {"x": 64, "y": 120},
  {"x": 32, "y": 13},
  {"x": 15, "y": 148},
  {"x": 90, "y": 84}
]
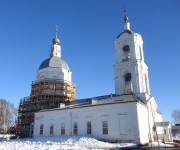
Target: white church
[{"x": 129, "y": 115}]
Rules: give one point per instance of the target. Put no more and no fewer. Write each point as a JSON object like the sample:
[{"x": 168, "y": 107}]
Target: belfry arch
[
  {"x": 128, "y": 83},
  {"x": 126, "y": 53}
]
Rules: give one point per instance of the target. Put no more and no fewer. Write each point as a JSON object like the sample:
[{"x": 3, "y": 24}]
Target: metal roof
[
  {"x": 126, "y": 31},
  {"x": 55, "y": 62},
  {"x": 101, "y": 100},
  {"x": 111, "y": 98}
]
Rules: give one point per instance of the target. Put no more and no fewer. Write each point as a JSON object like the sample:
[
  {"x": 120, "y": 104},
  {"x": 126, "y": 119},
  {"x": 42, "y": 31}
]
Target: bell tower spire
[
  {"x": 126, "y": 21},
  {"x": 130, "y": 71},
  {"x": 55, "y": 47}
]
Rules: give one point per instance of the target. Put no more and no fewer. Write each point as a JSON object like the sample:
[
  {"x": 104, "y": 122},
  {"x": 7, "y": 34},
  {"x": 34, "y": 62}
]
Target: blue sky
[{"x": 87, "y": 29}]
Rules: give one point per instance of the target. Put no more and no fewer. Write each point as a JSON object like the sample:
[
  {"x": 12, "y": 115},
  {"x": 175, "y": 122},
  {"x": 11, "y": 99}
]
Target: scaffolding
[{"x": 46, "y": 94}]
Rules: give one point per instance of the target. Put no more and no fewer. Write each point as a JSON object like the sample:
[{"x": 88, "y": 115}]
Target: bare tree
[
  {"x": 176, "y": 116},
  {"x": 7, "y": 114}
]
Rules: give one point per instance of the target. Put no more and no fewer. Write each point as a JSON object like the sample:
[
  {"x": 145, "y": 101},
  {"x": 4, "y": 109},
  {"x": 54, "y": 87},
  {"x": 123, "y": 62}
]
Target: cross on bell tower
[{"x": 130, "y": 71}]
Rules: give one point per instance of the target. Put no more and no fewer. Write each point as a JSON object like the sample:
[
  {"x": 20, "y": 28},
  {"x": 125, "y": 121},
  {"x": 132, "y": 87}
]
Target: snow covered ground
[
  {"x": 57, "y": 143},
  {"x": 61, "y": 143}
]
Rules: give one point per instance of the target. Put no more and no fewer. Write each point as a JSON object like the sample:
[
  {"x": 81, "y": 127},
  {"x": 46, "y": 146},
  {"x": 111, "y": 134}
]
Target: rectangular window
[
  {"x": 104, "y": 127},
  {"x": 62, "y": 128},
  {"x": 41, "y": 129},
  {"x": 51, "y": 129},
  {"x": 89, "y": 127},
  {"x": 75, "y": 128}
]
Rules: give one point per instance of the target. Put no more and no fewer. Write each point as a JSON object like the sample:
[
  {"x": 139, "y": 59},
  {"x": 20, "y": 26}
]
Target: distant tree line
[
  {"x": 8, "y": 115},
  {"x": 176, "y": 116}
]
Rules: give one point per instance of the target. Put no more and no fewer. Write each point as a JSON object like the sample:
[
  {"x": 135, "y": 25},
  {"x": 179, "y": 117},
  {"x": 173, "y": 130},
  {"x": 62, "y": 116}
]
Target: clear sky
[{"x": 87, "y": 29}]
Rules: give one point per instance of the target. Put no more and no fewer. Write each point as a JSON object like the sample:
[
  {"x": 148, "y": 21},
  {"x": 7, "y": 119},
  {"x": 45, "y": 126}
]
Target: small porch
[{"x": 163, "y": 131}]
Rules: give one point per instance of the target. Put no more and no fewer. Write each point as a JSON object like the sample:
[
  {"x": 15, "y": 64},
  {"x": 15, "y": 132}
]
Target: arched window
[
  {"x": 51, "y": 131},
  {"x": 75, "y": 128},
  {"x": 41, "y": 129},
  {"x": 126, "y": 53},
  {"x": 128, "y": 83},
  {"x": 62, "y": 128}
]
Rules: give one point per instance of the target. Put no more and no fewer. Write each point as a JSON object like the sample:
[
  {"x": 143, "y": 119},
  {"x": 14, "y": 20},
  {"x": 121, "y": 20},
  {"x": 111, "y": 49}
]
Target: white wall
[
  {"x": 143, "y": 123},
  {"x": 121, "y": 117},
  {"x": 54, "y": 73}
]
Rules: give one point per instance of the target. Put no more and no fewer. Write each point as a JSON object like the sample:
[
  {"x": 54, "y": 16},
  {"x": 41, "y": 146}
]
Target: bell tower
[{"x": 130, "y": 71}]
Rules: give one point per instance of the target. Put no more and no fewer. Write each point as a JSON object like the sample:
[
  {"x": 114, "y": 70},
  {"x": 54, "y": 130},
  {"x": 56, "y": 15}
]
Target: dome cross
[{"x": 56, "y": 30}]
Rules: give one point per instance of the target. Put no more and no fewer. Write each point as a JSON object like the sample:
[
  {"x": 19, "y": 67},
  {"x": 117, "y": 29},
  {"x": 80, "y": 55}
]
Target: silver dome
[{"x": 54, "y": 62}]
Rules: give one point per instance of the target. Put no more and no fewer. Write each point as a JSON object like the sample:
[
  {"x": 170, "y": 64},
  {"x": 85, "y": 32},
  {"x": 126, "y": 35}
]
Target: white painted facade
[
  {"x": 127, "y": 116},
  {"x": 128, "y": 120},
  {"x": 125, "y": 121},
  {"x": 54, "y": 73}
]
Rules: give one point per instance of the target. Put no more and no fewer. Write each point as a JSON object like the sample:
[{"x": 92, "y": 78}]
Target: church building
[{"x": 129, "y": 115}]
